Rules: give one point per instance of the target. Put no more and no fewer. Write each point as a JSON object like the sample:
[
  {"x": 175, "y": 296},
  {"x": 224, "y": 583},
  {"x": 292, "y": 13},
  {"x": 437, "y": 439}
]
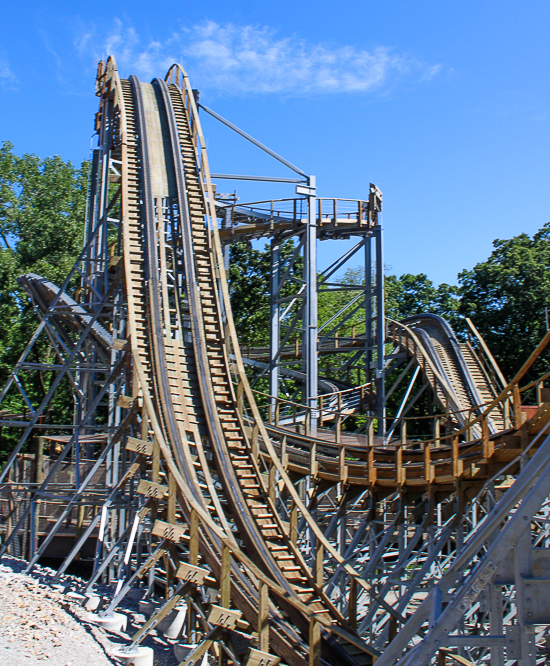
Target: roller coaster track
[
  {"x": 216, "y": 486},
  {"x": 385, "y": 466},
  {"x": 453, "y": 368},
  {"x": 458, "y": 364},
  {"x": 166, "y": 222}
]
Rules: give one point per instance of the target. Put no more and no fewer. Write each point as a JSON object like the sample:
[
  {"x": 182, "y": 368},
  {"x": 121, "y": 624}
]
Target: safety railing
[
  {"x": 276, "y": 214},
  {"x": 337, "y": 406},
  {"x": 448, "y": 453}
]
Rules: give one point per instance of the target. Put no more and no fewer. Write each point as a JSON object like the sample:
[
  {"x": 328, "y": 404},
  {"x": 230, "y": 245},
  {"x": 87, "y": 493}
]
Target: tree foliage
[
  {"x": 410, "y": 295},
  {"x": 249, "y": 286},
  {"x": 42, "y": 212},
  {"x": 507, "y": 298}
]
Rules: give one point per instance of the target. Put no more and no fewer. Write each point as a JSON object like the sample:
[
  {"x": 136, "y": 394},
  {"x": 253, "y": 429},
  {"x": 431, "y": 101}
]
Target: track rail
[
  {"x": 178, "y": 335},
  {"x": 451, "y": 368},
  {"x": 368, "y": 463}
]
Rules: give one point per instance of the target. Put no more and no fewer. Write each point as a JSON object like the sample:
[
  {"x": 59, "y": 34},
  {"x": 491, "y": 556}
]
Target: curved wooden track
[
  {"x": 181, "y": 335},
  {"x": 228, "y": 502}
]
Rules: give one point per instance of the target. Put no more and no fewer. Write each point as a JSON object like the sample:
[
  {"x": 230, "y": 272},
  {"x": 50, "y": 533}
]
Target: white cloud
[
  {"x": 237, "y": 60},
  {"x": 7, "y": 77}
]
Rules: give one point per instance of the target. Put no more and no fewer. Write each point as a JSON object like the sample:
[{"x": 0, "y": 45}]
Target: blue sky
[{"x": 444, "y": 105}]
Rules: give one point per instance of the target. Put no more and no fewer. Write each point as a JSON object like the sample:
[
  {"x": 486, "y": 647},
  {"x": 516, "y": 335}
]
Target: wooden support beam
[
  {"x": 399, "y": 469},
  {"x": 428, "y": 469},
  {"x": 225, "y": 578},
  {"x": 319, "y": 565},
  {"x": 313, "y": 464},
  {"x": 284, "y": 454},
  {"x": 263, "y": 618},
  {"x": 516, "y": 401},
  {"x": 240, "y": 403},
  {"x": 342, "y": 467},
  {"x": 293, "y": 523},
  {"x": 314, "y": 642},
  {"x": 254, "y": 442},
  {"x": 272, "y": 483},
  {"x": 370, "y": 465},
  {"x": 488, "y": 445},
  {"x": 194, "y": 539},
  {"x": 437, "y": 431},
  {"x": 457, "y": 463}
]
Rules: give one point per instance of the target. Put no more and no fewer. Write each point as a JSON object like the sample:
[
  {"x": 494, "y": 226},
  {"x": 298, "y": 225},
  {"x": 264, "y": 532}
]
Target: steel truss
[
  {"x": 280, "y": 539},
  {"x": 299, "y": 340}
]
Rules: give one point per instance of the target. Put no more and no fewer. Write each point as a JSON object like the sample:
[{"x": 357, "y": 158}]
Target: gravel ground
[{"x": 41, "y": 624}]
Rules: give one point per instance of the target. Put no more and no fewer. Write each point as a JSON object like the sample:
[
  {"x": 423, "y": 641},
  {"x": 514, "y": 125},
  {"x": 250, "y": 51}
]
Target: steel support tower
[{"x": 300, "y": 524}]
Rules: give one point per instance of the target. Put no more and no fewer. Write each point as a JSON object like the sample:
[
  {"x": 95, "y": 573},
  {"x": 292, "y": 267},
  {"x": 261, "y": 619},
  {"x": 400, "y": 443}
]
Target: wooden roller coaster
[{"x": 306, "y": 528}]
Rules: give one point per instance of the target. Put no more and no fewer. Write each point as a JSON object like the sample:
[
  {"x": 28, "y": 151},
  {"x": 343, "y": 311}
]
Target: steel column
[
  {"x": 275, "y": 323},
  {"x": 380, "y": 333},
  {"x": 310, "y": 267}
]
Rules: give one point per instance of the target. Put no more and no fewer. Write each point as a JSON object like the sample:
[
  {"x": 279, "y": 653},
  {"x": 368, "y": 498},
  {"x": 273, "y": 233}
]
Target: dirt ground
[{"x": 41, "y": 624}]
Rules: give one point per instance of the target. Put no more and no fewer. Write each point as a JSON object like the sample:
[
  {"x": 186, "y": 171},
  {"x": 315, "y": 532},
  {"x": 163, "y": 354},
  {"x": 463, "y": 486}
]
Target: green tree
[
  {"x": 42, "y": 212},
  {"x": 249, "y": 286},
  {"x": 507, "y": 298},
  {"x": 409, "y": 295}
]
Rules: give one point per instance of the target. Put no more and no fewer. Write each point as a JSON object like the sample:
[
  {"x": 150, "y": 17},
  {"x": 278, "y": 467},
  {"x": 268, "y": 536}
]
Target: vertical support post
[
  {"x": 352, "y": 603},
  {"x": 263, "y": 618},
  {"x": 496, "y": 622},
  {"x": 275, "y": 325},
  {"x": 488, "y": 445},
  {"x": 427, "y": 463},
  {"x": 171, "y": 517},
  {"x": 342, "y": 467},
  {"x": 226, "y": 224},
  {"x": 523, "y": 569},
  {"x": 516, "y": 398},
  {"x": 338, "y": 427},
  {"x": 368, "y": 307},
  {"x": 310, "y": 251},
  {"x": 437, "y": 431},
  {"x": 314, "y": 642},
  {"x": 225, "y": 578},
  {"x": 38, "y": 477},
  {"x": 457, "y": 471},
  {"x": 380, "y": 334},
  {"x": 101, "y": 249},
  {"x": 313, "y": 463},
  {"x": 226, "y": 250},
  {"x": 32, "y": 529}
]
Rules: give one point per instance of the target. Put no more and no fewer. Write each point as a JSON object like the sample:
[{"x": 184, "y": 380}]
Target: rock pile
[
  {"x": 35, "y": 626},
  {"x": 41, "y": 623}
]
